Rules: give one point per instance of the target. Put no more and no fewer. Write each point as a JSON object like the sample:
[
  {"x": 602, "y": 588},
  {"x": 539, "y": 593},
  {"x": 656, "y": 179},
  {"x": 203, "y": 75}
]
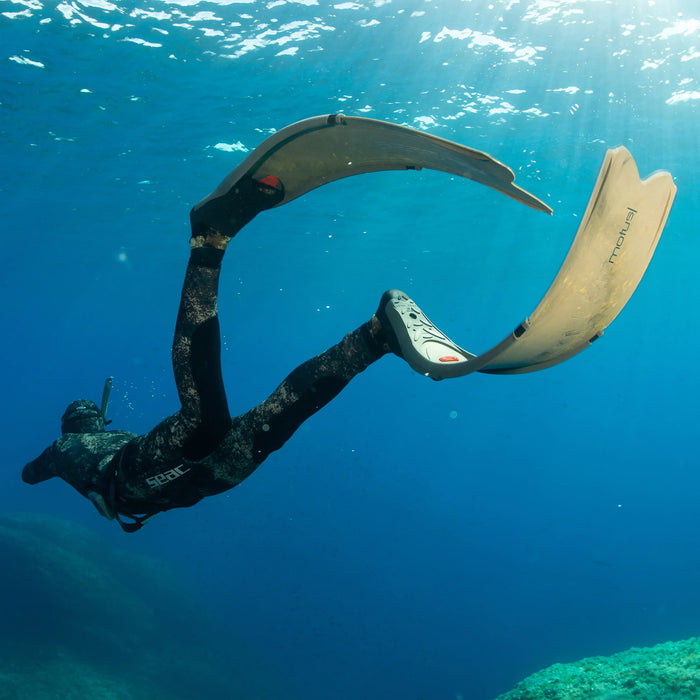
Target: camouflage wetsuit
[{"x": 200, "y": 450}]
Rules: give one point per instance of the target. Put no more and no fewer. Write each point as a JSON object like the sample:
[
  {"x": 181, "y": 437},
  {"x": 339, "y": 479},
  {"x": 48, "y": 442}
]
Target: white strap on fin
[
  {"x": 607, "y": 259},
  {"x": 319, "y": 150}
]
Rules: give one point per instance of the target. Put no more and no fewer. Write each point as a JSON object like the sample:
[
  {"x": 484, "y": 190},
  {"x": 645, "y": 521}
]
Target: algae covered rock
[{"x": 668, "y": 671}]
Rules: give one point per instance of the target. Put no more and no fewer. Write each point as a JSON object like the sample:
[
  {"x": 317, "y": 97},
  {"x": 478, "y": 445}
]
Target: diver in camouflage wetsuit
[{"x": 200, "y": 450}]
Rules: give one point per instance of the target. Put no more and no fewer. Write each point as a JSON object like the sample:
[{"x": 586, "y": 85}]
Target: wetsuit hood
[{"x": 82, "y": 416}]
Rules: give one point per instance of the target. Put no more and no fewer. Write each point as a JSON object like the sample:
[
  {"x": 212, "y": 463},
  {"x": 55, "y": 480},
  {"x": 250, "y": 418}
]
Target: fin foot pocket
[
  {"x": 227, "y": 213},
  {"x": 412, "y": 336}
]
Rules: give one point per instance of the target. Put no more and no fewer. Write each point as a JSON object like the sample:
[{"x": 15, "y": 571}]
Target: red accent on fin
[
  {"x": 270, "y": 181},
  {"x": 449, "y": 358}
]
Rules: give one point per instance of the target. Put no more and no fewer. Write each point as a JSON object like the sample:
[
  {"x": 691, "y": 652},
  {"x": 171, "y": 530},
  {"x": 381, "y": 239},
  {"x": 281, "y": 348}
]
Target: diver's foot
[
  {"x": 409, "y": 334},
  {"x": 217, "y": 220}
]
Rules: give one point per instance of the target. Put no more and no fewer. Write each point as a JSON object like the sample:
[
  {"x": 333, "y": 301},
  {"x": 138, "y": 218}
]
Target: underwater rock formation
[
  {"x": 668, "y": 671},
  {"x": 81, "y": 619}
]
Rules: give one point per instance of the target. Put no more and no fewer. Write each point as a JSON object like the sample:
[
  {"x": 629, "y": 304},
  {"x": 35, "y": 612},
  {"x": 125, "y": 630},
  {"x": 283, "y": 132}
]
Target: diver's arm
[
  {"x": 77, "y": 458},
  {"x": 41, "y": 468}
]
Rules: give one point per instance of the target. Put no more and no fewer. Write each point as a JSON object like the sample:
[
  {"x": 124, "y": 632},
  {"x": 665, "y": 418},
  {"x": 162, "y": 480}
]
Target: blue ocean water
[{"x": 414, "y": 539}]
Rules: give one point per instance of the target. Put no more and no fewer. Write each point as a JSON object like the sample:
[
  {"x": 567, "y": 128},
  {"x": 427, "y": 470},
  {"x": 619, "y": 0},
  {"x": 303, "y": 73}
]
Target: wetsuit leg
[
  {"x": 203, "y": 420},
  {"x": 309, "y": 388},
  {"x": 197, "y": 355},
  {"x": 265, "y": 428}
]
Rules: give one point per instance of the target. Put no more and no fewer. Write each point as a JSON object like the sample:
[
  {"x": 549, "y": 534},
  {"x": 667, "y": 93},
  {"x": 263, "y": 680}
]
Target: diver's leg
[
  {"x": 196, "y": 355},
  {"x": 312, "y": 385},
  {"x": 265, "y": 428},
  {"x": 197, "y": 342},
  {"x": 200, "y": 424},
  {"x": 203, "y": 420}
]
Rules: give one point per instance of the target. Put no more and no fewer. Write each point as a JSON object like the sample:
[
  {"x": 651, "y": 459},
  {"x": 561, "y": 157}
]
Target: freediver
[{"x": 202, "y": 451}]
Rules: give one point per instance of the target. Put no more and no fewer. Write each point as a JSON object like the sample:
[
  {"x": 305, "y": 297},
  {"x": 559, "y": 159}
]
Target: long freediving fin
[
  {"x": 315, "y": 151},
  {"x": 614, "y": 244}
]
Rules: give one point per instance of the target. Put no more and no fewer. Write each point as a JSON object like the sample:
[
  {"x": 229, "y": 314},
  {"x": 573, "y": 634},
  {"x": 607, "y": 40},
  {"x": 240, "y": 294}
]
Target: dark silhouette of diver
[{"x": 200, "y": 450}]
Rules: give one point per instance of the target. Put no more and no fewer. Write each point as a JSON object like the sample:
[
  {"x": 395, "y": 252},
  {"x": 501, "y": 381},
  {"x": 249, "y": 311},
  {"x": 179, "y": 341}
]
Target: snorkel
[{"x": 105, "y": 399}]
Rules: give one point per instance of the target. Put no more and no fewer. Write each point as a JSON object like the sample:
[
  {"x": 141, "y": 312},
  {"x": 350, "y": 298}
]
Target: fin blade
[
  {"x": 315, "y": 151},
  {"x": 612, "y": 249}
]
